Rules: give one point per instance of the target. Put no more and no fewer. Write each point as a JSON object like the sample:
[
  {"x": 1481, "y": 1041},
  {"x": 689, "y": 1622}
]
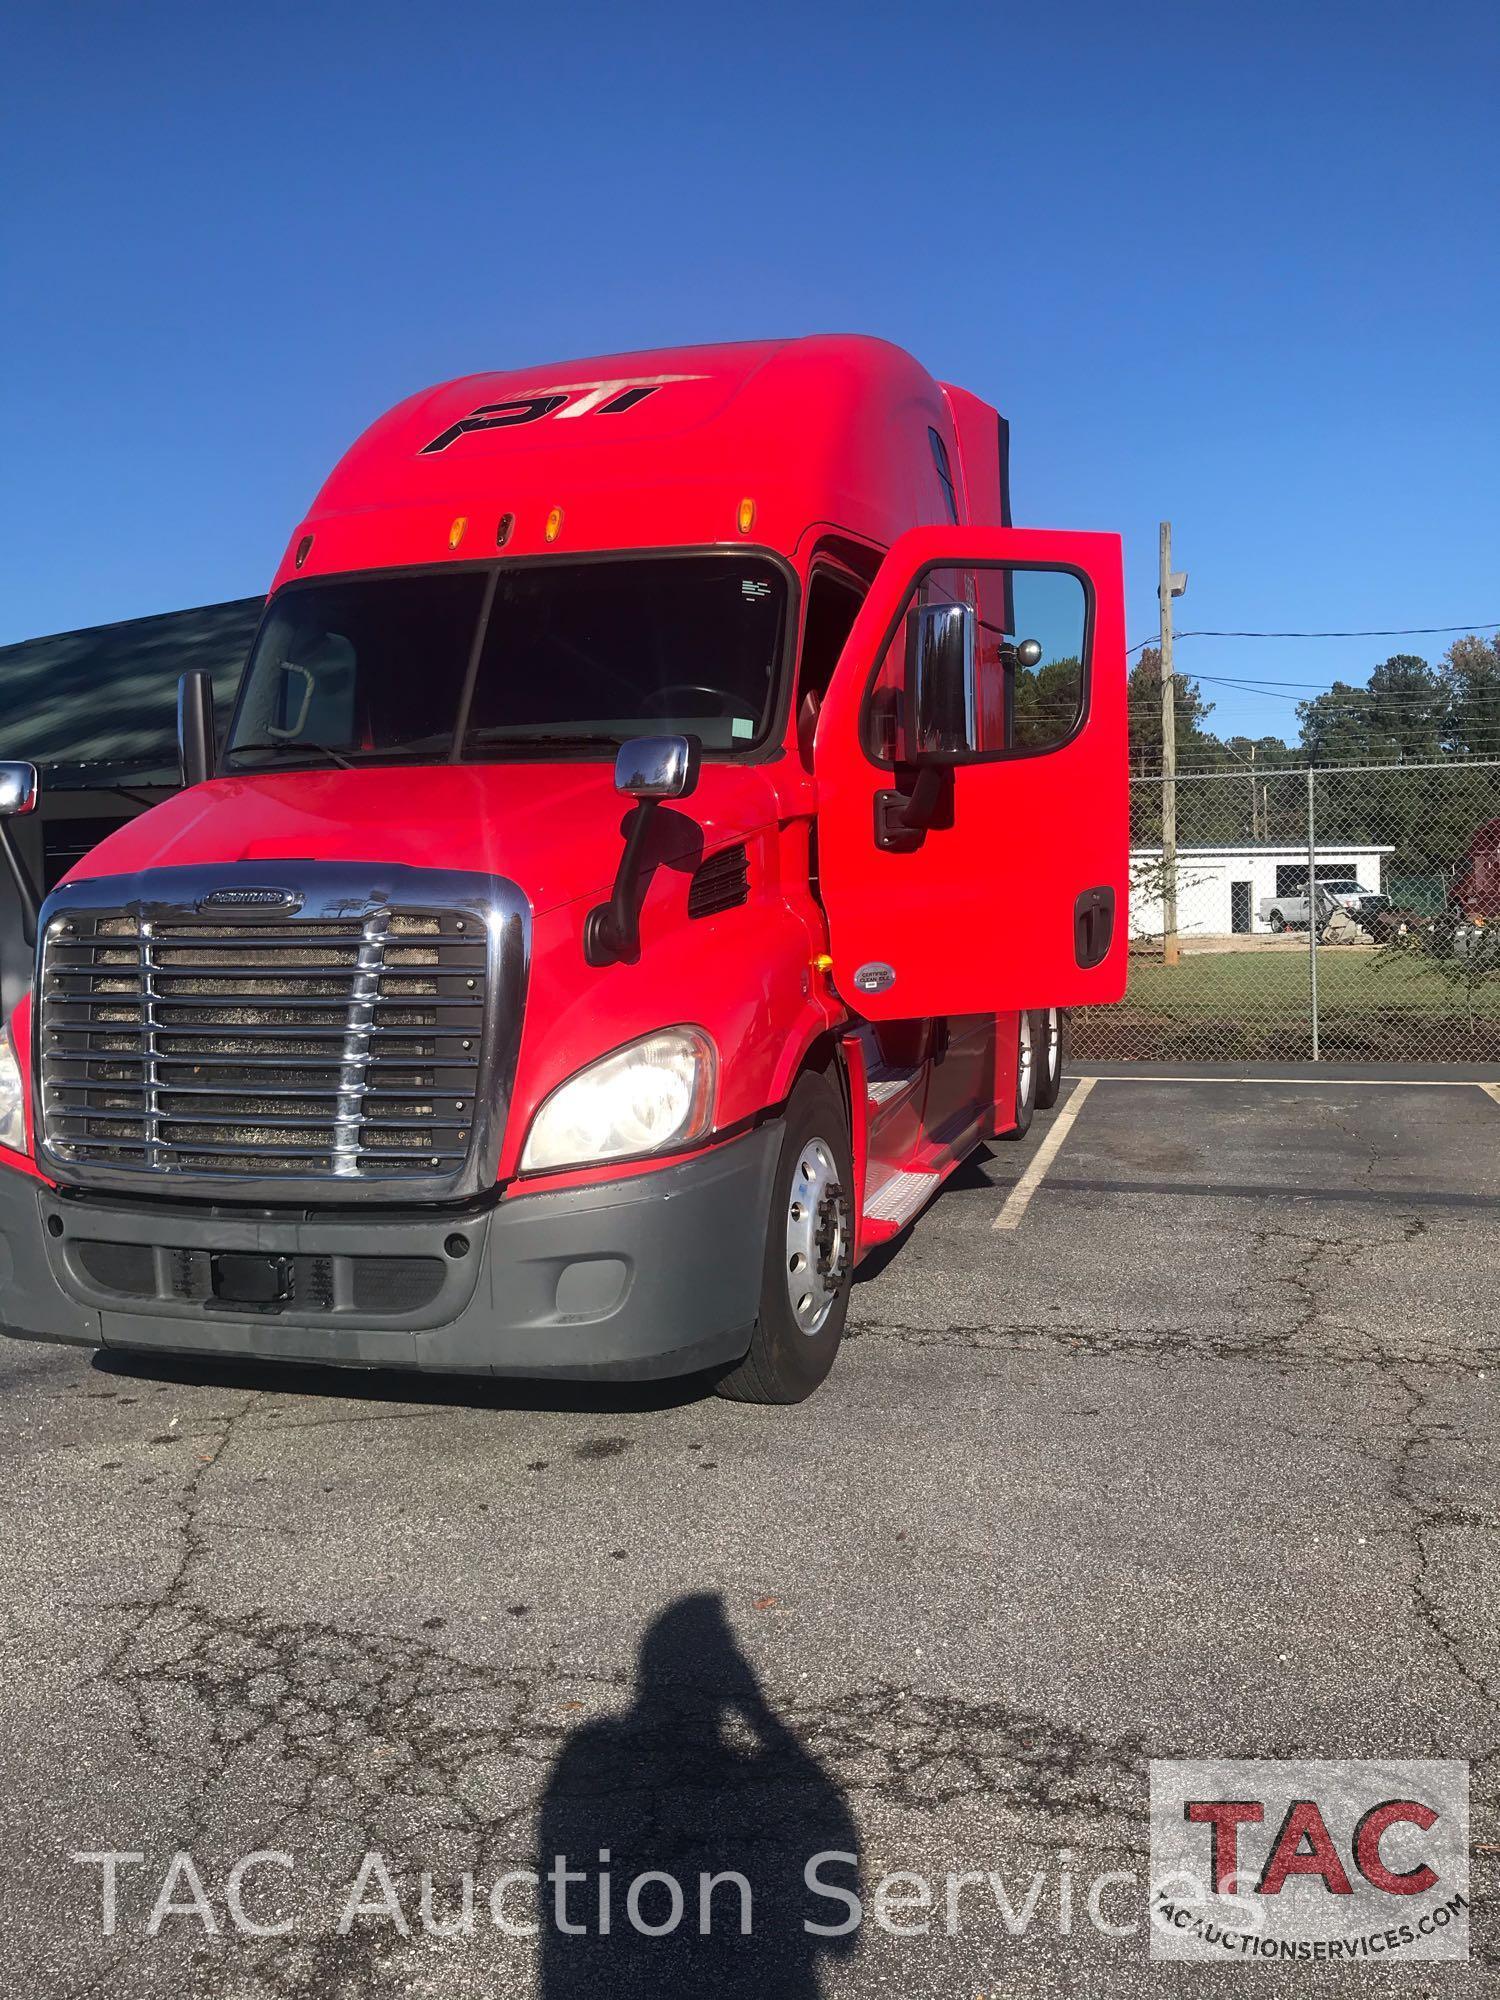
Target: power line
[
  {"x": 1364, "y": 699},
  {"x": 1349, "y": 698},
  {"x": 1371, "y": 632}
]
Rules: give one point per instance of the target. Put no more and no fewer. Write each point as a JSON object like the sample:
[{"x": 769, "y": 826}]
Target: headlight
[
  {"x": 655, "y": 1094},
  {"x": 12, "y": 1104}
]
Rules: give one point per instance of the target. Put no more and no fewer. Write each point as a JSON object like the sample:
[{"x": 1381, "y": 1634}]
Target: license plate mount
[{"x": 245, "y": 1278}]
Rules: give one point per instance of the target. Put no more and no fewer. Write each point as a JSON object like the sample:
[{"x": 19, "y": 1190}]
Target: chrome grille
[{"x": 341, "y": 1043}]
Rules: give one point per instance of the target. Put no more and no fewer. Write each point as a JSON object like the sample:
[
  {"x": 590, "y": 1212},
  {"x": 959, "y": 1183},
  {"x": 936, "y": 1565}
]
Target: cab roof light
[
  {"x": 456, "y": 532},
  {"x": 746, "y": 516},
  {"x": 304, "y": 549},
  {"x": 504, "y": 528},
  {"x": 554, "y": 524}
]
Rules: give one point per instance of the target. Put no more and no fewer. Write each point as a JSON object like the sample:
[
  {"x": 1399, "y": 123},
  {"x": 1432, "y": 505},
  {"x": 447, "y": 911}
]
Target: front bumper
[{"x": 658, "y": 1274}]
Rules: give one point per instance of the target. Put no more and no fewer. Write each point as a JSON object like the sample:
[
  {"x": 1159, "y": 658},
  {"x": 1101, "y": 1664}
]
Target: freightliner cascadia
[{"x": 666, "y": 813}]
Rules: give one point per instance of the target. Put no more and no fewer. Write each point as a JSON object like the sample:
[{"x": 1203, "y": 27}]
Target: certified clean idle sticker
[{"x": 875, "y": 977}]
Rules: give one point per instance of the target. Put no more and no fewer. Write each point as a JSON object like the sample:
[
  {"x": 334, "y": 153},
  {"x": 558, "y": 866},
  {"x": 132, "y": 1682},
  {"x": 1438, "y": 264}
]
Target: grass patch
[{"x": 1372, "y": 1006}]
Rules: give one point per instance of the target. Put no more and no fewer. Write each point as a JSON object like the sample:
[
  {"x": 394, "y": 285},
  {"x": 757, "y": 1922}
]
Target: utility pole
[
  {"x": 1172, "y": 583},
  {"x": 1254, "y": 829}
]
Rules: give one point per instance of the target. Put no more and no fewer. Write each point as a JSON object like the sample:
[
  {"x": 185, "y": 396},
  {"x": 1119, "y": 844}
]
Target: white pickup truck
[{"x": 1337, "y": 892}]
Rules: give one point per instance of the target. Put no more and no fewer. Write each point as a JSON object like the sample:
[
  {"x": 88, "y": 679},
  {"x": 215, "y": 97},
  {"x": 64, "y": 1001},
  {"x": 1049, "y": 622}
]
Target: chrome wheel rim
[
  {"x": 1054, "y": 1043},
  {"x": 817, "y": 1236},
  {"x": 1025, "y": 1063}
]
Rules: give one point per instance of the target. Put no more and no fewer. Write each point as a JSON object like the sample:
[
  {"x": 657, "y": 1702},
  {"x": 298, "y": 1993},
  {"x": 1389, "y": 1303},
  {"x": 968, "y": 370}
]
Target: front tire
[
  {"x": 804, "y": 1293},
  {"x": 1053, "y": 1056},
  {"x": 1028, "y": 1044},
  {"x": 1278, "y": 921}
]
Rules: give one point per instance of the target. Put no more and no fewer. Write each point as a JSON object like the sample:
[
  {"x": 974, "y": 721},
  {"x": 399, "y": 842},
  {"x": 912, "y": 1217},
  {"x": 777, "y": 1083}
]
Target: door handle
[{"x": 1093, "y": 926}]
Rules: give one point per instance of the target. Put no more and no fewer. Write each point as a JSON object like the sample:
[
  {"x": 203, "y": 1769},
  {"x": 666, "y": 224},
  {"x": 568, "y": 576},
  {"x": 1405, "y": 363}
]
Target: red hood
[{"x": 554, "y": 829}]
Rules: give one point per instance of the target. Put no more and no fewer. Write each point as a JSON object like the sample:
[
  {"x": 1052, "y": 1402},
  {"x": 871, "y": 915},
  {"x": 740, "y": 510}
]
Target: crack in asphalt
[
  {"x": 396, "y": 1742},
  {"x": 1178, "y": 1342},
  {"x": 1428, "y": 1520},
  {"x": 1300, "y": 1277}
]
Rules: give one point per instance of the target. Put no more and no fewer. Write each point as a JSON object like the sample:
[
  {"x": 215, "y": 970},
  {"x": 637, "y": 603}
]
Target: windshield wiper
[
  {"x": 593, "y": 739},
  {"x": 292, "y": 748}
]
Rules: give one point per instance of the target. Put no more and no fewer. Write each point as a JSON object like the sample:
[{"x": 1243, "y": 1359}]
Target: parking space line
[
  {"x": 1020, "y": 1195},
  {"x": 1321, "y": 1083}
]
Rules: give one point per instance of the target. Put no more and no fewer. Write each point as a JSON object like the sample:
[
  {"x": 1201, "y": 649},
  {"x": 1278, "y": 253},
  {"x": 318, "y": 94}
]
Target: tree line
[{"x": 1409, "y": 712}]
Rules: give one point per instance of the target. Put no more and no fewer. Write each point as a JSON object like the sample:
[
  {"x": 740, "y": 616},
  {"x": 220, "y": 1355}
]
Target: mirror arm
[
  {"x": 196, "y": 744},
  {"x": 903, "y": 819},
  {"x": 926, "y": 797},
  {"x": 26, "y": 889},
  {"x": 612, "y": 930}
]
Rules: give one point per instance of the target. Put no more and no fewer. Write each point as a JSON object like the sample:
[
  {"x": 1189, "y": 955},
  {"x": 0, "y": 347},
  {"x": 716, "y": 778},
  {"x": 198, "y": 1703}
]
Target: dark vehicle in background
[
  {"x": 1476, "y": 887},
  {"x": 96, "y": 711}
]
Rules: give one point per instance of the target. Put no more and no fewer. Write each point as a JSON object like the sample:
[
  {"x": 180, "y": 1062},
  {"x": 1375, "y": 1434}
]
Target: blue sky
[{"x": 1235, "y": 265}]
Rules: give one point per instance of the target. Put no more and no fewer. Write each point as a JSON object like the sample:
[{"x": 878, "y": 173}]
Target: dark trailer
[{"x": 96, "y": 712}]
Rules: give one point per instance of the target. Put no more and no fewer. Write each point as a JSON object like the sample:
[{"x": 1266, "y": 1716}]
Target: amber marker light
[
  {"x": 554, "y": 524},
  {"x": 747, "y": 516},
  {"x": 456, "y": 532}
]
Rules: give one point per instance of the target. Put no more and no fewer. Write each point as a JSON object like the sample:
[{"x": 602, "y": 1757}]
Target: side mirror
[
  {"x": 19, "y": 787},
  {"x": 196, "y": 747},
  {"x": 941, "y": 682},
  {"x": 658, "y": 767},
  {"x": 649, "y": 769}
]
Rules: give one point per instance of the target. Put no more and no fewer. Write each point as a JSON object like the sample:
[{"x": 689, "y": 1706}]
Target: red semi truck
[{"x": 664, "y": 813}]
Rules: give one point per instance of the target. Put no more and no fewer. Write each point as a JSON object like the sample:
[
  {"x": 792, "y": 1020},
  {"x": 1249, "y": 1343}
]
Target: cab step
[
  {"x": 884, "y": 1086},
  {"x": 899, "y": 1196}
]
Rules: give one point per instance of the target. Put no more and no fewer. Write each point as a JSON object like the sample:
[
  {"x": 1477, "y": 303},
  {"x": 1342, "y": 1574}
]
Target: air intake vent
[{"x": 721, "y": 883}]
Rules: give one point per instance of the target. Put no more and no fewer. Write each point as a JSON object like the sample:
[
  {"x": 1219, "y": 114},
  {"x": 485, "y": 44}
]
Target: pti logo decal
[
  {"x": 1255, "y": 1860},
  {"x": 569, "y": 399}
]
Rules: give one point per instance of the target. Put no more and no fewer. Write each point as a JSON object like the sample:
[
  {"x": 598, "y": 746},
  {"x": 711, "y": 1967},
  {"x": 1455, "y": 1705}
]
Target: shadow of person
[{"x": 698, "y": 1779}]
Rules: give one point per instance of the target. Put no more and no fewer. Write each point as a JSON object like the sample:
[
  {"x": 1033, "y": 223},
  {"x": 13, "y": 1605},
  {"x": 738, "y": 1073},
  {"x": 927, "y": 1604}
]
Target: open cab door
[{"x": 972, "y": 769}]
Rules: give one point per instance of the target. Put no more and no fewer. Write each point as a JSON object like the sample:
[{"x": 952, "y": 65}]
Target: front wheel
[
  {"x": 1278, "y": 921},
  {"x": 804, "y": 1293},
  {"x": 1052, "y": 1057}
]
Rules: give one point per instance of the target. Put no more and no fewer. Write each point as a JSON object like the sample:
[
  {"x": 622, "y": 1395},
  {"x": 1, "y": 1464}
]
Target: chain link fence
[{"x": 1336, "y": 915}]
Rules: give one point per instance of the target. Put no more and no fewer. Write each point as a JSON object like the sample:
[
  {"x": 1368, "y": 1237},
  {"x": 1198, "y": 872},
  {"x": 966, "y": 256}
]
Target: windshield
[{"x": 563, "y": 657}]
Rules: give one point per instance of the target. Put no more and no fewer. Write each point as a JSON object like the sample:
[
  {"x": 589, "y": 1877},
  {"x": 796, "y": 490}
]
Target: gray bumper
[{"x": 658, "y": 1274}]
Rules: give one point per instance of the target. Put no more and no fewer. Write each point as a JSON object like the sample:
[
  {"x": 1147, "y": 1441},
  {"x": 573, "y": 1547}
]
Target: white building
[{"x": 1220, "y": 889}]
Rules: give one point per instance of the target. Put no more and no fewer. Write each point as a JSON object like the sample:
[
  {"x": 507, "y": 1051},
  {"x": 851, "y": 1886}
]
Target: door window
[{"x": 833, "y": 602}]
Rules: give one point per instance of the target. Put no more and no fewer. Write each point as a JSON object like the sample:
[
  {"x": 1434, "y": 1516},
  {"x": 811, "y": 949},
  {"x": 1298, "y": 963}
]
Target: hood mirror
[
  {"x": 18, "y": 789},
  {"x": 658, "y": 767},
  {"x": 648, "y": 769}
]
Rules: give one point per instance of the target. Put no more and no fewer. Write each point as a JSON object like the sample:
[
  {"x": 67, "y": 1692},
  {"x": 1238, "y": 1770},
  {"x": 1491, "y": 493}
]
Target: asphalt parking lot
[{"x": 1197, "y": 1459}]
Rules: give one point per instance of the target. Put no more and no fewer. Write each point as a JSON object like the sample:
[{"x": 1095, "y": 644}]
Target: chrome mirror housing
[
  {"x": 658, "y": 767},
  {"x": 19, "y": 787},
  {"x": 941, "y": 680}
]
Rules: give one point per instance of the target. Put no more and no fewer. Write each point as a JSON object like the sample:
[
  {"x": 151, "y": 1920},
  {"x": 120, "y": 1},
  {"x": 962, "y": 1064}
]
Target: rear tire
[
  {"x": 1278, "y": 921},
  {"x": 1053, "y": 1056},
  {"x": 804, "y": 1292},
  {"x": 1028, "y": 1044}
]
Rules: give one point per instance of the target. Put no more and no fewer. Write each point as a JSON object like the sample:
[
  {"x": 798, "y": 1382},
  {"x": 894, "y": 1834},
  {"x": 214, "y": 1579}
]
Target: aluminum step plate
[
  {"x": 900, "y": 1195},
  {"x": 881, "y": 1085}
]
